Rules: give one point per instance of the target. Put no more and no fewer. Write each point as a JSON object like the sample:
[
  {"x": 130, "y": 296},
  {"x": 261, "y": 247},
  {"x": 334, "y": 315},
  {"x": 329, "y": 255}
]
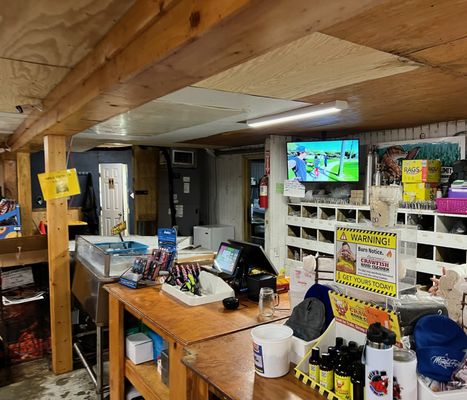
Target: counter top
[
  {"x": 185, "y": 324},
  {"x": 226, "y": 365}
]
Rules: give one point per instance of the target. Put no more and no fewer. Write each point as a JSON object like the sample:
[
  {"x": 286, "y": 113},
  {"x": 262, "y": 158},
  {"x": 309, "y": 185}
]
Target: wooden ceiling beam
[{"x": 180, "y": 45}]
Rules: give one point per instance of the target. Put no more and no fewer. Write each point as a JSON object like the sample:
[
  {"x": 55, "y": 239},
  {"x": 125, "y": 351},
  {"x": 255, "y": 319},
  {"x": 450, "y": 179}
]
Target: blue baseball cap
[
  {"x": 301, "y": 149},
  {"x": 440, "y": 345}
]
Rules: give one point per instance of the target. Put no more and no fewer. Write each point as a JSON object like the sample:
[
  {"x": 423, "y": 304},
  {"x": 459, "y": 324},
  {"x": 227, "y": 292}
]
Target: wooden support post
[
  {"x": 10, "y": 182},
  {"x": 23, "y": 166},
  {"x": 59, "y": 263},
  {"x": 116, "y": 349}
]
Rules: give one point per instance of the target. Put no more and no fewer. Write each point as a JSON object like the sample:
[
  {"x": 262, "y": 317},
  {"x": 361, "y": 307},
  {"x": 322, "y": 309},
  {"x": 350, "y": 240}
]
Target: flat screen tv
[{"x": 323, "y": 161}]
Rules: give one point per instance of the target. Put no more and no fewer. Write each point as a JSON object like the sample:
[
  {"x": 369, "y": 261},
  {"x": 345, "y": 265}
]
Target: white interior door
[{"x": 113, "y": 189}]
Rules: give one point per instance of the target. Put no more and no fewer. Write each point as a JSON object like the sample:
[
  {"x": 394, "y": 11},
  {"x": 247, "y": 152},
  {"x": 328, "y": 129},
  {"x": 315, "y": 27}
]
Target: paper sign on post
[
  {"x": 59, "y": 184},
  {"x": 294, "y": 189},
  {"x": 367, "y": 259}
]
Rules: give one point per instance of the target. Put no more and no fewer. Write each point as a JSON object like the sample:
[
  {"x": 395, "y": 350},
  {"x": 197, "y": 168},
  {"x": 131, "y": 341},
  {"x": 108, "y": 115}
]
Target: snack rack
[{"x": 12, "y": 229}]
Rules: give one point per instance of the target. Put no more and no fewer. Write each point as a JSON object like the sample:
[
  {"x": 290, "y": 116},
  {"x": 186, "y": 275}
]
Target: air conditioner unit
[{"x": 183, "y": 158}]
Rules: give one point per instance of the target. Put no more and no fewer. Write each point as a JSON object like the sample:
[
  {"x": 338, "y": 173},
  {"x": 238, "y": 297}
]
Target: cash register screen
[{"x": 227, "y": 258}]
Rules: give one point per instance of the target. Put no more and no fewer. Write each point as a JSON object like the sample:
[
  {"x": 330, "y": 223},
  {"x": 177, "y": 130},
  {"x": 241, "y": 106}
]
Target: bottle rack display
[{"x": 441, "y": 238}]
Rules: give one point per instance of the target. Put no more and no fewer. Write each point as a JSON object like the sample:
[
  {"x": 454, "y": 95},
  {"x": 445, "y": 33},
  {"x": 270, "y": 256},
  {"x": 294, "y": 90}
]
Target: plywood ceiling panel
[
  {"x": 419, "y": 97},
  {"x": 26, "y": 83},
  {"x": 9, "y": 121},
  {"x": 403, "y": 27},
  {"x": 157, "y": 117},
  {"x": 55, "y": 32},
  {"x": 312, "y": 64}
]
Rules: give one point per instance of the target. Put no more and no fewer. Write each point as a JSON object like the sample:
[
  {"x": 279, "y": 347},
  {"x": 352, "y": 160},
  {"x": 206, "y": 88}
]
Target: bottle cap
[
  {"x": 339, "y": 342},
  {"x": 315, "y": 352},
  {"x": 380, "y": 335}
]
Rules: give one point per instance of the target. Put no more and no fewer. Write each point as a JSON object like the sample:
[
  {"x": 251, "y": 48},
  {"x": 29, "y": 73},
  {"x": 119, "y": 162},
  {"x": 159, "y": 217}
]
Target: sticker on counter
[
  {"x": 59, "y": 184},
  {"x": 367, "y": 260},
  {"x": 258, "y": 356}
]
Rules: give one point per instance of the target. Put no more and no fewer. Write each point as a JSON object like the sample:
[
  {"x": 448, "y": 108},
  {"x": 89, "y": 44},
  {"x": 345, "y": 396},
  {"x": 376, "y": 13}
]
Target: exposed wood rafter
[{"x": 175, "y": 45}]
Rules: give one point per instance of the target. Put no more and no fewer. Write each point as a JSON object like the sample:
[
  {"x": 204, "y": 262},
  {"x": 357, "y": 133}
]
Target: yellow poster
[
  {"x": 59, "y": 184},
  {"x": 367, "y": 259},
  {"x": 360, "y": 315}
]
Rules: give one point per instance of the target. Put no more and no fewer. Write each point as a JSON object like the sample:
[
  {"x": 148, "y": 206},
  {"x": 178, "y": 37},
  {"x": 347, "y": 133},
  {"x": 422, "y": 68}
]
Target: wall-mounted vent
[{"x": 183, "y": 158}]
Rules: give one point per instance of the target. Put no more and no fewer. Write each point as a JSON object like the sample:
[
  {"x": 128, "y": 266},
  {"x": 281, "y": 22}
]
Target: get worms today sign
[{"x": 367, "y": 260}]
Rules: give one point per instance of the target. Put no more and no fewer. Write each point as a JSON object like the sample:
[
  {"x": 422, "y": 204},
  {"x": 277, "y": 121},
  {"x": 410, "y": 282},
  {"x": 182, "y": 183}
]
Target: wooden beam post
[
  {"x": 59, "y": 263},
  {"x": 23, "y": 166},
  {"x": 10, "y": 182}
]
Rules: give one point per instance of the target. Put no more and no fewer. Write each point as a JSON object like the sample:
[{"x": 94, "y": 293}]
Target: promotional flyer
[{"x": 367, "y": 259}]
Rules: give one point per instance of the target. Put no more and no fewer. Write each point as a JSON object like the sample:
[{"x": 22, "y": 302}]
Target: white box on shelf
[
  {"x": 213, "y": 289},
  {"x": 211, "y": 236},
  {"x": 425, "y": 393},
  {"x": 139, "y": 348}
]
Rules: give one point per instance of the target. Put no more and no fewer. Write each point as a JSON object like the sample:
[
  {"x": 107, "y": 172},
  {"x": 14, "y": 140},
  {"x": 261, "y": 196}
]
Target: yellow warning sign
[
  {"x": 367, "y": 260},
  {"x": 369, "y": 284},
  {"x": 59, "y": 184},
  {"x": 367, "y": 237}
]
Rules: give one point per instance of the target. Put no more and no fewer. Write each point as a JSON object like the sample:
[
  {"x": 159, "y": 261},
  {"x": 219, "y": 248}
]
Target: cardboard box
[
  {"x": 419, "y": 191},
  {"x": 139, "y": 348},
  {"x": 417, "y": 171}
]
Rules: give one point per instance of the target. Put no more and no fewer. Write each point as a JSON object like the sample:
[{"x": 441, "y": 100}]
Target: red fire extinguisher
[{"x": 263, "y": 192}]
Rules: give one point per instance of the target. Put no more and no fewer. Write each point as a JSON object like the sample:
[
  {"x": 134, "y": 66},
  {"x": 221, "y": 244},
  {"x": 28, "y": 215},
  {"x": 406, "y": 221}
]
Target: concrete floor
[{"x": 34, "y": 381}]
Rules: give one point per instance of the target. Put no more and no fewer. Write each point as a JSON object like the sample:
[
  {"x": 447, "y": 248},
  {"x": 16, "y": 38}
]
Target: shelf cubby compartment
[
  {"x": 423, "y": 222},
  {"x": 293, "y": 253},
  {"x": 364, "y": 216},
  {"x": 306, "y": 253},
  {"x": 450, "y": 255},
  {"x": 309, "y": 234},
  {"x": 454, "y": 225},
  {"x": 327, "y": 214},
  {"x": 347, "y": 215},
  {"x": 293, "y": 231},
  {"x": 294, "y": 210},
  {"x": 326, "y": 236},
  {"x": 425, "y": 251},
  {"x": 310, "y": 212},
  {"x": 401, "y": 218}
]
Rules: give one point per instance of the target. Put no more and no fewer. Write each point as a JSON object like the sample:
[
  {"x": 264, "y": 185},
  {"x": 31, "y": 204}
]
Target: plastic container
[
  {"x": 271, "y": 346},
  {"x": 213, "y": 289},
  {"x": 296, "y": 297},
  {"x": 453, "y": 205},
  {"x": 425, "y": 393},
  {"x": 126, "y": 247}
]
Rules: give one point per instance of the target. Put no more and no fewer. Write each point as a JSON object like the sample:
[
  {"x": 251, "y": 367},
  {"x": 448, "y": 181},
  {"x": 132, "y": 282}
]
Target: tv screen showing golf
[{"x": 323, "y": 161}]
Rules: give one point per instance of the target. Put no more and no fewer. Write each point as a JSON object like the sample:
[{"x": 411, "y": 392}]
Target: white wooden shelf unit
[{"x": 310, "y": 229}]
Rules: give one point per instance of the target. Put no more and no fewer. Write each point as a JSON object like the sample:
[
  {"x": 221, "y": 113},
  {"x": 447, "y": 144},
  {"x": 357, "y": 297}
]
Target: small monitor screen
[{"x": 227, "y": 258}]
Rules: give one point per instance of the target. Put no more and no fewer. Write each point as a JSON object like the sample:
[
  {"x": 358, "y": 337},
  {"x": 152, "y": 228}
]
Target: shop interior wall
[
  {"x": 277, "y": 229},
  {"x": 192, "y": 200},
  {"x": 86, "y": 162}
]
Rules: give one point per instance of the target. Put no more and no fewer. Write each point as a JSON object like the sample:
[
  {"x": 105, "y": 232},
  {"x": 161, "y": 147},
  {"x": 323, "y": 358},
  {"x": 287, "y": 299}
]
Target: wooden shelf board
[
  {"x": 25, "y": 258},
  {"x": 146, "y": 379}
]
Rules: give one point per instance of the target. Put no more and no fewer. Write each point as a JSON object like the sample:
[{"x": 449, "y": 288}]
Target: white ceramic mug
[{"x": 268, "y": 301}]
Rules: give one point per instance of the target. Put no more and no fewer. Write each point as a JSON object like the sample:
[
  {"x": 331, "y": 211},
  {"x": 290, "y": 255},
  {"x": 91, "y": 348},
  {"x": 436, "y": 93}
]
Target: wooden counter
[
  {"x": 224, "y": 366},
  {"x": 180, "y": 325}
]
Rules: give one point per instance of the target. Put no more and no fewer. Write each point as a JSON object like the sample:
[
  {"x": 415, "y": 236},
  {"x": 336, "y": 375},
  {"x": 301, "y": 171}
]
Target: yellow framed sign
[
  {"x": 367, "y": 260},
  {"x": 59, "y": 184},
  {"x": 360, "y": 315}
]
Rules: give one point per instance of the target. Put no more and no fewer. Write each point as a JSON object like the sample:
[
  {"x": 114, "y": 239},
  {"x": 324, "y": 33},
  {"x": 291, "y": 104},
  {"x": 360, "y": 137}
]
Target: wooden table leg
[
  {"x": 177, "y": 372},
  {"x": 116, "y": 349},
  {"x": 198, "y": 388}
]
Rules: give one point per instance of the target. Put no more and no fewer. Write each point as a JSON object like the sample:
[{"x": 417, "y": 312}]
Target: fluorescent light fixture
[{"x": 298, "y": 114}]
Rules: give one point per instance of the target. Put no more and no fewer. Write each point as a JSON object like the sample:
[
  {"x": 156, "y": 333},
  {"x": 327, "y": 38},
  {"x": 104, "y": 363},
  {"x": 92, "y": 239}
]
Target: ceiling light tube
[{"x": 298, "y": 114}]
